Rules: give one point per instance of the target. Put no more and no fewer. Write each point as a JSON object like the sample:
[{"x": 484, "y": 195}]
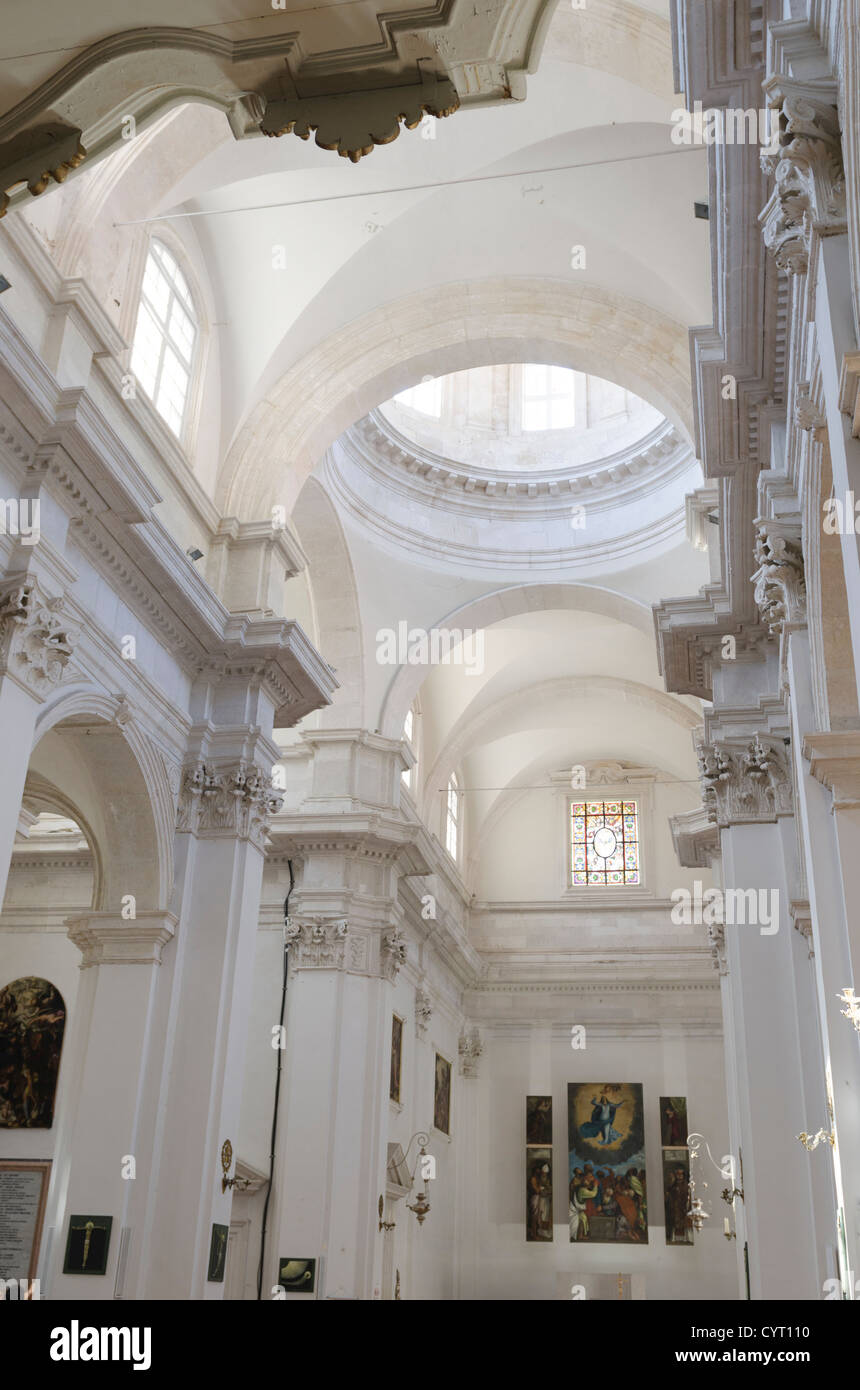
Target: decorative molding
[
  {"x": 745, "y": 784},
  {"x": 353, "y": 123},
  {"x": 808, "y": 196},
  {"x": 236, "y": 801},
  {"x": 808, "y": 414},
  {"x": 423, "y": 1012},
  {"x": 834, "y": 760},
  {"x": 696, "y": 838},
  {"x": 105, "y": 938},
  {"x": 801, "y": 916},
  {"x": 37, "y": 157},
  {"x": 780, "y": 584},
  {"x": 317, "y": 943},
  {"x": 470, "y": 1047},
  {"x": 36, "y": 639}
]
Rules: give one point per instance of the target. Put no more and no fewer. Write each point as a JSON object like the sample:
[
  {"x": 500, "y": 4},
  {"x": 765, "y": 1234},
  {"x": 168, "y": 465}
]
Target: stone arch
[
  {"x": 91, "y": 756},
  {"x": 445, "y": 329},
  {"x": 334, "y": 596}
]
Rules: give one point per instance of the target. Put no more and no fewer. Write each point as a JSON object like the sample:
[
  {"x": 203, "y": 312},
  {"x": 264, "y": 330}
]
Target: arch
[
  {"x": 511, "y": 602},
  {"x": 119, "y": 791},
  {"x": 334, "y": 595},
  {"x": 32, "y": 1025},
  {"x": 439, "y": 330}
]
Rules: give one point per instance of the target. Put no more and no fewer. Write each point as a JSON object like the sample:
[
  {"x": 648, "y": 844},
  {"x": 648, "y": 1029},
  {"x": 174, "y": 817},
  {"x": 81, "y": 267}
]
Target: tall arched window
[
  {"x": 452, "y": 817},
  {"x": 425, "y": 397},
  {"x": 548, "y": 397},
  {"x": 409, "y": 736},
  {"x": 165, "y": 336}
]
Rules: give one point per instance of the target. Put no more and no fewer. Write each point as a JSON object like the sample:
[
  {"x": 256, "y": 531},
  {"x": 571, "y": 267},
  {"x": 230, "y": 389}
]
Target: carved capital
[
  {"x": 744, "y": 785},
  {"x": 780, "y": 584},
  {"x": 717, "y": 940},
  {"x": 809, "y": 180},
  {"x": 808, "y": 415},
  {"x": 36, "y": 640},
  {"x": 392, "y": 953},
  {"x": 470, "y": 1046},
  {"x": 317, "y": 943},
  {"x": 234, "y": 801},
  {"x": 423, "y": 1012},
  {"x": 106, "y": 938}
]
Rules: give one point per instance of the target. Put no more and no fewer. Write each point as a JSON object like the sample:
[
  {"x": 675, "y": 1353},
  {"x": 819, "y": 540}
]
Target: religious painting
[
  {"x": 673, "y": 1121},
  {"x": 606, "y": 1143},
  {"x": 87, "y": 1245},
  {"x": 442, "y": 1095},
  {"x": 296, "y": 1276},
  {"x": 538, "y": 1119},
  {"x": 218, "y": 1254},
  {"x": 32, "y": 1021},
  {"x": 539, "y": 1193},
  {"x": 676, "y": 1196},
  {"x": 396, "y": 1057}
]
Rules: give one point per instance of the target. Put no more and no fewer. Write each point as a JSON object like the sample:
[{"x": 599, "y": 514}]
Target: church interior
[{"x": 429, "y": 805}]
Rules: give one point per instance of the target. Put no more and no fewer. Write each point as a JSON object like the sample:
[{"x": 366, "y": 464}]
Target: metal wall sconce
[
  {"x": 240, "y": 1184},
  {"x": 729, "y": 1194},
  {"x": 421, "y": 1205},
  {"x": 811, "y": 1141},
  {"x": 384, "y": 1225}
]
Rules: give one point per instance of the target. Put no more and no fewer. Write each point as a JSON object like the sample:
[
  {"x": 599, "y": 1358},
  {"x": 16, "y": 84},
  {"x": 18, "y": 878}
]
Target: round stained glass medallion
[{"x": 605, "y": 842}]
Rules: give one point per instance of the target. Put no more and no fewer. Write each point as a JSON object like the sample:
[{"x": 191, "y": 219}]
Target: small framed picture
[
  {"x": 87, "y": 1245},
  {"x": 218, "y": 1253},
  {"x": 442, "y": 1095},
  {"x": 297, "y": 1276},
  {"x": 396, "y": 1058}
]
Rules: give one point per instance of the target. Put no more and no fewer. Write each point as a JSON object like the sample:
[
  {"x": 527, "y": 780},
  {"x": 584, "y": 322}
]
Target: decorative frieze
[
  {"x": 423, "y": 1012},
  {"x": 317, "y": 943},
  {"x": 392, "y": 953},
  {"x": 808, "y": 195},
  {"x": 36, "y": 639},
  {"x": 745, "y": 785},
  {"x": 780, "y": 584},
  {"x": 238, "y": 801},
  {"x": 470, "y": 1046}
]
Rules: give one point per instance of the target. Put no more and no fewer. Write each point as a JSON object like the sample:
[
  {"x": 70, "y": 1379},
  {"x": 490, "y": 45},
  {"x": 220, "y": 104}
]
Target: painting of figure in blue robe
[{"x": 606, "y": 1143}]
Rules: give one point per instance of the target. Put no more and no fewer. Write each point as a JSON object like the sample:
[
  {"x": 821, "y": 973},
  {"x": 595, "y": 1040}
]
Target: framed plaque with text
[{"x": 23, "y": 1193}]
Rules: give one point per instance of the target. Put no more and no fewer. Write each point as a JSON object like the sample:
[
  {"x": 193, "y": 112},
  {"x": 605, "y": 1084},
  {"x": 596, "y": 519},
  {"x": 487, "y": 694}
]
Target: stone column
[{"x": 36, "y": 643}]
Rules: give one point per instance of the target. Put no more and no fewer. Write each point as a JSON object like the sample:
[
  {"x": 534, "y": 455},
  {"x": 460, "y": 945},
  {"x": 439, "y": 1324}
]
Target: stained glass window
[{"x": 604, "y": 843}]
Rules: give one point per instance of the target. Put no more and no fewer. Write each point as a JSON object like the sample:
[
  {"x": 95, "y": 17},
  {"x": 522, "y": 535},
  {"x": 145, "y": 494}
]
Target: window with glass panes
[
  {"x": 604, "y": 843},
  {"x": 165, "y": 336}
]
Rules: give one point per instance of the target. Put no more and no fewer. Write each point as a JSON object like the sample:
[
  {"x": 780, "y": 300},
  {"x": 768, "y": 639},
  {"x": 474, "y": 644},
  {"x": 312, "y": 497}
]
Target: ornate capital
[
  {"x": 36, "y": 640},
  {"x": 470, "y": 1046},
  {"x": 809, "y": 180},
  {"x": 780, "y": 584},
  {"x": 317, "y": 943},
  {"x": 745, "y": 785},
  {"x": 237, "y": 800},
  {"x": 392, "y": 953},
  {"x": 423, "y": 1012},
  {"x": 106, "y": 938},
  {"x": 717, "y": 940},
  {"x": 808, "y": 415}
]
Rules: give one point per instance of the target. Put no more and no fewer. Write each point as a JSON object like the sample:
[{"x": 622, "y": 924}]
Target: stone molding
[
  {"x": 745, "y": 784},
  {"x": 808, "y": 195},
  {"x": 236, "y": 800},
  {"x": 780, "y": 583},
  {"x": 105, "y": 938},
  {"x": 834, "y": 760},
  {"x": 321, "y": 942},
  {"x": 36, "y": 639}
]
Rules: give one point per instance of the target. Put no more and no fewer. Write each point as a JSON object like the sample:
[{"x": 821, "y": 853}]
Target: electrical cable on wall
[{"x": 281, "y": 1051}]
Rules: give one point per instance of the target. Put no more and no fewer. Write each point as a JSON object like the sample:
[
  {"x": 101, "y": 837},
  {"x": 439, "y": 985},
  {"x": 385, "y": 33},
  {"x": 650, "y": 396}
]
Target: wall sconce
[
  {"x": 240, "y": 1184},
  {"x": 853, "y": 1010},
  {"x": 384, "y": 1225},
  {"x": 811, "y": 1141},
  {"x": 421, "y": 1205},
  {"x": 727, "y": 1230},
  {"x": 697, "y": 1215},
  {"x": 729, "y": 1194}
]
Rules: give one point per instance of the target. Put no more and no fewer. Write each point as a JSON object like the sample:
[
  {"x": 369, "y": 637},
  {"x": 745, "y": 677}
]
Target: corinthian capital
[
  {"x": 237, "y": 800},
  {"x": 808, "y": 177},
  {"x": 745, "y": 784},
  {"x": 317, "y": 943},
  {"x": 36, "y": 640},
  {"x": 780, "y": 584}
]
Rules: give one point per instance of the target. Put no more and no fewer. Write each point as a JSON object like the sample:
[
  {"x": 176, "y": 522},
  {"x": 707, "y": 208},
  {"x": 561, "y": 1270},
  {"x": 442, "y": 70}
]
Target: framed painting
[
  {"x": 23, "y": 1192},
  {"x": 394, "y": 1083},
  {"x": 87, "y": 1245},
  {"x": 606, "y": 1149},
  {"x": 442, "y": 1095},
  {"x": 297, "y": 1276},
  {"x": 673, "y": 1122},
  {"x": 676, "y": 1196},
  {"x": 539, "y": 1193},
  {"x": 218, "y": 1253},
  {"x": 32, "y": 1023},
  {"x": 538, "y": 1119}
]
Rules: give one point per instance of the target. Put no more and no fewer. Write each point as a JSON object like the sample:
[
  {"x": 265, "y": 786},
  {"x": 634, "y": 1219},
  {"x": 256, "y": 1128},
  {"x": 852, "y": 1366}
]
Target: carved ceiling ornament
[
  {"x": 745, "y": 784},
  {"x": 780, "y": 583},
  {"x": 36, "y": 640},
  {"x": 809, "y": 179},
  {"x": 237, "y": 800}
]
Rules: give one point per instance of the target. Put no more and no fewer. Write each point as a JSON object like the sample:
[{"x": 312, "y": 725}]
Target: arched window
[
  {"x": 409, "y": 736},
  {"x": 548, "y": 397},
  {"x": 32, "y": 1022},
  {"x": 425, "y": 397},
  {"x": 165, "y": 337},
  {"x": 452, "y": 817}
]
